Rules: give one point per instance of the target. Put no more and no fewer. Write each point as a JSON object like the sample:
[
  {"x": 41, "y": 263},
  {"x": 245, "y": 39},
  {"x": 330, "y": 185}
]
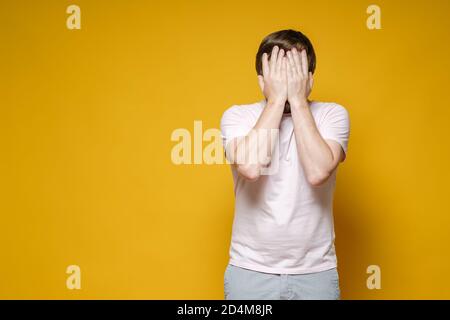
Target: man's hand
[
  {"x": 275, "y": 77},
  {"x": 299, "y": 79},
  {"x": 274, "y": 85}
]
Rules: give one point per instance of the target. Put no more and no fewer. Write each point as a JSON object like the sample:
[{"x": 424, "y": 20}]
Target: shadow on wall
[{"x": 354, "y": 238}]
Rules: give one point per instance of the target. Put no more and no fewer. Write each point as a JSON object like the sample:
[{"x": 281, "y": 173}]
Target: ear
[{"x": 261, "y": 82}]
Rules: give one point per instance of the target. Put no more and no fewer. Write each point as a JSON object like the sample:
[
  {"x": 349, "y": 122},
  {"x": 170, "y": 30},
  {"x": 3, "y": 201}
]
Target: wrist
[
  {"x": 279, "y": 103},
  {"x": 299, "y": 104}
]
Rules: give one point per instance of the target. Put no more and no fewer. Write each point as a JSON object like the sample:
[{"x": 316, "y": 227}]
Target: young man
[{"x": 282, "y": 244}]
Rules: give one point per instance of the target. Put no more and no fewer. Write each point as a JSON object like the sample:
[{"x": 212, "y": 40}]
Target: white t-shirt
[{"x": 281, "y": 223}]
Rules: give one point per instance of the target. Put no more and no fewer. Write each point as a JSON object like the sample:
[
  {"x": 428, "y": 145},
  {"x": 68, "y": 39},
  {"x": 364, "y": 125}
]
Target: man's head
[{"x": 286, "y": 40}]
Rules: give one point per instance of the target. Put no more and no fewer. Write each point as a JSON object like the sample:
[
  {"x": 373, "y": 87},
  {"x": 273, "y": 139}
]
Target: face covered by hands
[{"x": 286, "y": 79}]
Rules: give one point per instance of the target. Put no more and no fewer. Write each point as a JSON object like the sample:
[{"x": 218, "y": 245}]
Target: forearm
[
  {"x": 256, "y": 149},
  {"x": 315, "y": 155}
]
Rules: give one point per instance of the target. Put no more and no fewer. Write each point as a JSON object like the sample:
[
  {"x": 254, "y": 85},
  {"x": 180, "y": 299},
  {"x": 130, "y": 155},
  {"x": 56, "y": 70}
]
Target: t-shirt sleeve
[
  {"x": 234, "y": 123},
  {"x": 335, "y": 125}
]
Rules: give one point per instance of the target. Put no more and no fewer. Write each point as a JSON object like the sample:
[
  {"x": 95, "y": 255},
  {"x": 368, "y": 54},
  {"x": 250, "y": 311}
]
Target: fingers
[
  {"x": 297, "y": 61},
  {"x": 291, "y": 62},
  {"x": 280, "y": 60},
  {"x": 265, "y": 65},
  {"x": 273, "y": 58},
  {"x": 289, "y": 67},
  {"x": 304, "y": 63},
  {"x": 284, "y": 67},
  {"x": 275, "y": 64}
]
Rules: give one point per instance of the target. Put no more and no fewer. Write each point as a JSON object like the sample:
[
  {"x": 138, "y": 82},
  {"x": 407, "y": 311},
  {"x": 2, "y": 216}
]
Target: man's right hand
[{"x": 275, "y": 77}]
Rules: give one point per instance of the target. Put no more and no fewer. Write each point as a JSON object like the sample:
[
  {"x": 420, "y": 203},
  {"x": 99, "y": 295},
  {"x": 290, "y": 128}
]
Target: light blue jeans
[{"x": 245, "y": 284}]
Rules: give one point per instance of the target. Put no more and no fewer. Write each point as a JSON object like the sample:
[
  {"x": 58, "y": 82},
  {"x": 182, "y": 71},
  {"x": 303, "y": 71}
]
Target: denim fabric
[{"x": 246, "y": 284}]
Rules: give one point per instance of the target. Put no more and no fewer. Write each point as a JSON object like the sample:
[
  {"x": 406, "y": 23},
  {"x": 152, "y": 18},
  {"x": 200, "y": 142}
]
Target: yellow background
[{"x": 85, "y": 125}]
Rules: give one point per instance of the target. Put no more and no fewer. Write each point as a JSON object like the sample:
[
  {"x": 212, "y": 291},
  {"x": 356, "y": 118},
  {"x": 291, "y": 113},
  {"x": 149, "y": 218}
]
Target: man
[{"x": 282, "y": 244}]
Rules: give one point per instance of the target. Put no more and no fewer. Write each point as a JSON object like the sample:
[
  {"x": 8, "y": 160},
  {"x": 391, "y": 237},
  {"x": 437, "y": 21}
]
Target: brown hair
[{"x": 286, "y": 40}]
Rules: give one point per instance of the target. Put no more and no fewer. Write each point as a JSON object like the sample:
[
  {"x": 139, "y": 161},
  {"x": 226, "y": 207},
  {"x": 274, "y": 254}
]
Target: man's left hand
[{"x": 299, "y": 79}]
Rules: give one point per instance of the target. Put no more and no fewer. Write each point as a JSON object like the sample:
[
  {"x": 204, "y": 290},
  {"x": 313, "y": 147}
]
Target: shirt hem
[{"x": 282, "y": 270}]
